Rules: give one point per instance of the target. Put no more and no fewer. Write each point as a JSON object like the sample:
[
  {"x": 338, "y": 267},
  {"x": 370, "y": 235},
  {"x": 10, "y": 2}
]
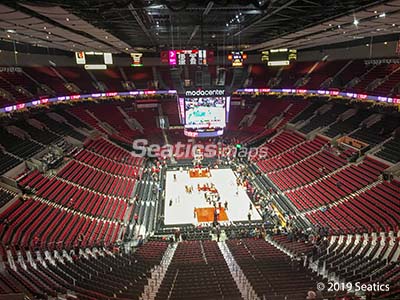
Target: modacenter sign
[{"x": 197, "y": 93}]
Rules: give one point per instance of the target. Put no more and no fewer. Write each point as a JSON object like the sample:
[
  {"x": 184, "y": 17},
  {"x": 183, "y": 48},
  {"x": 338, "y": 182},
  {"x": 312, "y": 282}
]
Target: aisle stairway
[
  {"x": 245, "y": 288},
  {"x": 157, "y": 275}
]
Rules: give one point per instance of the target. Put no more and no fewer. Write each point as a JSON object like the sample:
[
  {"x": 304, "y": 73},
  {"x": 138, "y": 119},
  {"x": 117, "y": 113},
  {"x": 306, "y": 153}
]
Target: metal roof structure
[{"x": 149, "y": 25}]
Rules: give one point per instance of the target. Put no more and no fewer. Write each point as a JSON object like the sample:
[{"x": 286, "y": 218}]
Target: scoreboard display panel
[
  {"x": 94, "y": 60},
  {"x": 237, "y": 58},
  {"x": 136, "y": 59},
  {"x": 279, "y": 57},
  {"x": 205, "y": 109},
  {"x": 187, "y": 57}
]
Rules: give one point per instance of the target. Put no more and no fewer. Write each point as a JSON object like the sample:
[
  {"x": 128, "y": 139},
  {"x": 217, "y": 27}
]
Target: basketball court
[{"x": 181, "y": 211}]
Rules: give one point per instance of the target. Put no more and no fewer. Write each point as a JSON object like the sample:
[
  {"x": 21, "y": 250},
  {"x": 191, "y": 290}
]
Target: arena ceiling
[{"x": 150, "y": 25}]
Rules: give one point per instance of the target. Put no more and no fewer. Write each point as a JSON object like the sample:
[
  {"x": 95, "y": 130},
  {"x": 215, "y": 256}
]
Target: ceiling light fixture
[
  {"x": 382, "y": 15},
  {"x": 356, "y": 22}
]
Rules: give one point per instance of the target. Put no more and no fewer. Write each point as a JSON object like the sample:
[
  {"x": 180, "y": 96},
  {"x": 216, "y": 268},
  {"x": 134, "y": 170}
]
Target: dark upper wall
[{"x": 379, "y": 50}]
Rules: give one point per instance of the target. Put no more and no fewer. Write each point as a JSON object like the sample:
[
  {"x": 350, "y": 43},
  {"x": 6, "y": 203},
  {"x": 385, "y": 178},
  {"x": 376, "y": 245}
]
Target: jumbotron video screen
[{"x": 205, "y": 112}]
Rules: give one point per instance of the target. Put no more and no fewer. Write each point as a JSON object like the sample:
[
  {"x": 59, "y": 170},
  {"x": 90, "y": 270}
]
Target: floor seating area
[
  {"x": 271, "y": 272},
  {"x": 198, "y": 271},
  {"x": 108, "y": 165}
]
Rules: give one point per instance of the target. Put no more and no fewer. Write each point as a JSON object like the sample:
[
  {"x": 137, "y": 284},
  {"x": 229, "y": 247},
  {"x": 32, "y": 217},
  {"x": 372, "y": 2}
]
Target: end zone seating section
[
  {"x": 109, "y": 165},
  {"x": 170, "y": 109},
  {"x": 81, "y": 113},
  {"x": 109, "y": 113},
  {"x": 198, "y": 271},
  {"x": 144, "y": 78}
]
